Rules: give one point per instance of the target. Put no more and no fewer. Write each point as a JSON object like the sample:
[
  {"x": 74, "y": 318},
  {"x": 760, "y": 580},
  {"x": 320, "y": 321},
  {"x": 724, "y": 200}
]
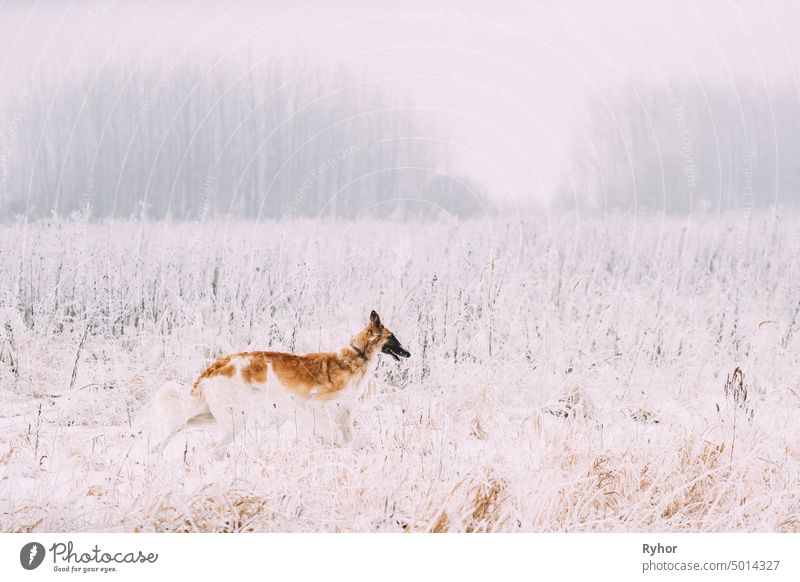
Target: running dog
[{"x": 325, "y": 387}]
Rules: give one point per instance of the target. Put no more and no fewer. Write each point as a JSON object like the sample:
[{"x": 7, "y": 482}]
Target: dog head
[{"x": 376, "y": 337}]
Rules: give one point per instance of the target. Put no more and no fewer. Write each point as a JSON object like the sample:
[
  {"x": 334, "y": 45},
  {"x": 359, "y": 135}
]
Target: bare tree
[
  {"x": 257, "y": 140},
  {"x": 684, "y": 148}
]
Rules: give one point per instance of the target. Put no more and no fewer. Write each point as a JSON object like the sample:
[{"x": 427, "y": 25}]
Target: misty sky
[{"x": 512, "y": 79}]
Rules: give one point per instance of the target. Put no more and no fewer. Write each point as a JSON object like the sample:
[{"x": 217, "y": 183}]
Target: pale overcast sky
[{"x": 512, "y": 78}]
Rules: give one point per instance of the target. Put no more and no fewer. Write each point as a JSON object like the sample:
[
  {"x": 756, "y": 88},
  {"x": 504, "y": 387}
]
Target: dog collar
[{"x": 359, "y": 352}]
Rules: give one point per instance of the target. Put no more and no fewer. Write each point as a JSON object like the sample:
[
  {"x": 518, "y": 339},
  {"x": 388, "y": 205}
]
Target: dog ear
[{"x": 375, "y": 319}]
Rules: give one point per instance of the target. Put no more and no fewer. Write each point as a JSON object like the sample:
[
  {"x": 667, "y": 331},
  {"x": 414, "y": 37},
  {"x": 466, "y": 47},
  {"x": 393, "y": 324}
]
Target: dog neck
[{"x": 359, "y": 352}]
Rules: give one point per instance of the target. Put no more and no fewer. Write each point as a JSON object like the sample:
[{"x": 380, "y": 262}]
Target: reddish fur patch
[
  {"x": 324, "y": 373},
  {"x": 221, "y": 367},
  {"x": 256, "y": 370}
]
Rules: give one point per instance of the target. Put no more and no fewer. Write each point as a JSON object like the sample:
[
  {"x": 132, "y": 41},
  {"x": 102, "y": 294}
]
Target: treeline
[
  {"x": 685, "y": 148},
  {"x": 185, "y": 141}
]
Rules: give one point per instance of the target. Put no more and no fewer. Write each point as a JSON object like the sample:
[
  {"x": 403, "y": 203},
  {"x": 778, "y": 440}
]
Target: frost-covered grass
[{"x": 565, "y": 376}]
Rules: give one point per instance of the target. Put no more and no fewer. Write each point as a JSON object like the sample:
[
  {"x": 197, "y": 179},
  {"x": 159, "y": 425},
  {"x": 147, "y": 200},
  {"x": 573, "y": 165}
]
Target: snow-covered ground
[{"x": 566, "y": 375}]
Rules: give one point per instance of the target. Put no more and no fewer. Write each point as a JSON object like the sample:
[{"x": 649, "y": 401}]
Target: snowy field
[{"x": 566, "y": 375}]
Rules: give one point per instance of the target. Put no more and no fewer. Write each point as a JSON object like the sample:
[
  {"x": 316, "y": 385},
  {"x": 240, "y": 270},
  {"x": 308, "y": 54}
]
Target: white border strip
[{"x": 351, "y": 557}]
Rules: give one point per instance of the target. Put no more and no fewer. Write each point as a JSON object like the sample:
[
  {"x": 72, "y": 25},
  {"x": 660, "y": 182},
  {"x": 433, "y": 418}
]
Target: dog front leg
[{"x": 344, "y": 422}]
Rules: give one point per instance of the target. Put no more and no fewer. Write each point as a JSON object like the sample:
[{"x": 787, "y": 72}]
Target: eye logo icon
[{"x": 31, "y": 555}]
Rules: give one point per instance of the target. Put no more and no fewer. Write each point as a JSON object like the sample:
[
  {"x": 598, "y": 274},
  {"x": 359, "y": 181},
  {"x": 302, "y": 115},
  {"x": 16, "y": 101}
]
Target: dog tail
[{"x": 170, "y": 410}]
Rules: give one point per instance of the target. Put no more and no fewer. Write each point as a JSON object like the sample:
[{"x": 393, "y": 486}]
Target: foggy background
[{"x": 191, "y": 110}]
